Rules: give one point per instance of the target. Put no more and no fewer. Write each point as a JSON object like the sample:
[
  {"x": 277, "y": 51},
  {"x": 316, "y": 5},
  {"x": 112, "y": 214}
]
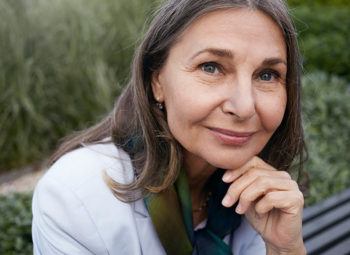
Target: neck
[{"x": 198, "y": 172}]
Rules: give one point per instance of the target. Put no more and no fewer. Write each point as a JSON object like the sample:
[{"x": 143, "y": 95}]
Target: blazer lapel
[{"x": 149, "y": 241}]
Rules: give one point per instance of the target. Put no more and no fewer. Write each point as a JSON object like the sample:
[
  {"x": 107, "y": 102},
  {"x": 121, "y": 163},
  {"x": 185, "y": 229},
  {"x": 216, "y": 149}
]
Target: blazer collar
[{"x": 139, "y": 208}]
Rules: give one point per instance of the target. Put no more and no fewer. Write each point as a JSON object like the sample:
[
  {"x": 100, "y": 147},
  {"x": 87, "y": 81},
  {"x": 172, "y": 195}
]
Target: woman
[{"x": 186, "y": 163}]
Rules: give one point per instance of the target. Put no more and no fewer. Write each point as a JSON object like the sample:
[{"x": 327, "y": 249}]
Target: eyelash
[
  {"x": 273, "y": 72},
  {"x": 216, "y": 65},
  {"x": 277, "y": 75}
]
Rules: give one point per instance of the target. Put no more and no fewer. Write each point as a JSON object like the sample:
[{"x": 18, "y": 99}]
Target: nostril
[{"x": 241, "y": 109}]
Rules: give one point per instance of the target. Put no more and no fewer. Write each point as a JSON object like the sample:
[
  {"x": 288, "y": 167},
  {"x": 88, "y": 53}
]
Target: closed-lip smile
[{"x": 230, "y": 137}]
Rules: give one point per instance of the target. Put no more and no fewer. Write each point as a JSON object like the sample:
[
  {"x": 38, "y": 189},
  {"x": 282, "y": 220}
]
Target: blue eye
[
  {"x": 210, "y": 67},
  {"x": 268, "y": 75}
]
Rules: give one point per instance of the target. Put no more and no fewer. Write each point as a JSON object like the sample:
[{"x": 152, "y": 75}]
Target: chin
[{"x": 228, "y": 163}]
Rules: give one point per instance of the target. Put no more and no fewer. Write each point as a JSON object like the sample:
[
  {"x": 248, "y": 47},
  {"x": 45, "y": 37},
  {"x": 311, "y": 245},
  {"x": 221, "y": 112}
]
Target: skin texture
[{"x": 227, "y": 72}]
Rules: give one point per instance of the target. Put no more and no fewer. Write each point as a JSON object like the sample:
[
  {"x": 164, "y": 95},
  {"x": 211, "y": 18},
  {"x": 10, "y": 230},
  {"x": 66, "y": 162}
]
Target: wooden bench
[{"x": 326, "y": 226}]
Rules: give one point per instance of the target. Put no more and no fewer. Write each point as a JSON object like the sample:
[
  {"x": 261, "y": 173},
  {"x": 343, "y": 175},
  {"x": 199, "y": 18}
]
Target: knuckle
[
  {"x": 253, "y": 172},
  {"x": 269, "y": 197},
  {"x": 297, "y": 199},
  {"x": 255, "y": 161},
  {"x": 234, "y": 191},
  {"x": 285, "y": 174},
  {"x": 244, "y": 197},
  {"x": 259, "y": 208},
  {"x": 262, "y": 180},
  {"x": 263, "y": 183},
  {"x": 300, "y": 198},
  {"x": 294, "y": 185}
]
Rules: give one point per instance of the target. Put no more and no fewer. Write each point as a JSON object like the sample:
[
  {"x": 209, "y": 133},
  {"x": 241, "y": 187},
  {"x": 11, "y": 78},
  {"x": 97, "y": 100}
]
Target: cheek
[
  {"x": 186, "y": 109},
  {"x": 181, "y": 118},
  {"x": 183, "y": 110},
  {"x": 186, "y": 101},
  {"x": 271, "y": 110}
]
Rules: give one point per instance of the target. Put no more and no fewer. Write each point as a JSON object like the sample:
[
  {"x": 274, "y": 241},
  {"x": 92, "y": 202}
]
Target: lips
[{"x": 229, "y": 137}]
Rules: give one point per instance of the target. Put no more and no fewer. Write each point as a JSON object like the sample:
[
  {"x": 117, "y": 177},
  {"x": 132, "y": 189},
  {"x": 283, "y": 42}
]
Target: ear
[{"x": 157, "y": 87}]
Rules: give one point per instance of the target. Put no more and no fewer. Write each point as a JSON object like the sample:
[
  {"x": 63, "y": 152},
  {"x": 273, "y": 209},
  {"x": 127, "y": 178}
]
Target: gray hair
[{"x": 140, "y": 128}]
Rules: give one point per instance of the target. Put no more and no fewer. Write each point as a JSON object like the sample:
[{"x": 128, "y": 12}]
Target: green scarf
[{"x": 171, "y": 214}]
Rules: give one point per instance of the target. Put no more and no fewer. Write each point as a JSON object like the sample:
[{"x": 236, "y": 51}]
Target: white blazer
[{"x": 74, "y": 211}]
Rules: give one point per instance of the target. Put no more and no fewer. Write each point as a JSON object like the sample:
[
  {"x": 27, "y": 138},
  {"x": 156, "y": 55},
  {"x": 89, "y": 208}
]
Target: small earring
[{"x": 160, "y": 106}]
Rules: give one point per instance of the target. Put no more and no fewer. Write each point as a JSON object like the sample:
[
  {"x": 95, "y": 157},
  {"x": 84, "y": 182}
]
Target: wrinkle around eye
[{"x": 270, "y": 86}]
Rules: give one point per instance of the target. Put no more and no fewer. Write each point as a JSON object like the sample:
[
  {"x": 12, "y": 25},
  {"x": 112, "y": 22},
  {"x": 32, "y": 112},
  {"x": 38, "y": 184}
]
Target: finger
[
  {"x": 234, "y": 191},
  {"x": 236, "y": 188},
  {"x": 232, "y": 174},
  {"x": 290, "y": 202},
  {"x": 255, "y": 162},
  {"x": 262, "y": 186}
]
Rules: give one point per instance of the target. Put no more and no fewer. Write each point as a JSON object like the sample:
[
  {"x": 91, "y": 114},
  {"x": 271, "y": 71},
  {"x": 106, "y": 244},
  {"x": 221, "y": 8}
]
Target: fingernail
[
  {"x": 227, "y": 201},
  {"x": 239, "y": 209},
  {"x": 226, "y": 177}
]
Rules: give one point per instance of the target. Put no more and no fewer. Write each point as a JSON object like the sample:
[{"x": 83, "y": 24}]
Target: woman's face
[{"x": 223, "y": 86}]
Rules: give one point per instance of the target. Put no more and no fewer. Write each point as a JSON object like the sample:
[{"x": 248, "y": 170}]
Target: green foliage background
[
  {"x": 324, "y": 38},
  {"x": 63, "y": 62},
  {"x": 15, "y": 224},
  {"x": 326, "y": 106},
  {"x": 342, "y": 3}
]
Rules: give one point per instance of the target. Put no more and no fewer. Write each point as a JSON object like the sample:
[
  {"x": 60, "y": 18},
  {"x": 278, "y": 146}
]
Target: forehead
[{"x": 250, "y": 29}]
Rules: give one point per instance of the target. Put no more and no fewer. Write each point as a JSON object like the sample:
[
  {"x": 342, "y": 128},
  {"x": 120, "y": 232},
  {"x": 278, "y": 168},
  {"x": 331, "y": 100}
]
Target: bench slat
[
  {"x": 328, "y": 204},
  {"x": 324, "y": 239},
  {"x": 341, "y": 248},
  {"x": 316, "y": 225}
]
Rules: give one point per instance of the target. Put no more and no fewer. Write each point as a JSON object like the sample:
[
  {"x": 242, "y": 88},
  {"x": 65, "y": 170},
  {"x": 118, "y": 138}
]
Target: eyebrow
[
  {"x": 273, "y": 61},
  {"x": 215, "y": 51},
  {"x": 225, "y": 53}
]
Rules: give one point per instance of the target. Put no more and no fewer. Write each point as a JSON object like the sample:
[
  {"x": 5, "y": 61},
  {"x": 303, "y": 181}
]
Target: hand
[{"x": 271, "y": 202}]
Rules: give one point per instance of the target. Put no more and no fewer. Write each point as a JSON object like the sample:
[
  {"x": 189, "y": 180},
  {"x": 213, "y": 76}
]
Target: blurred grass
[
  {"x": 326, "y": 101},
  {"x": 62, "y": 64}
]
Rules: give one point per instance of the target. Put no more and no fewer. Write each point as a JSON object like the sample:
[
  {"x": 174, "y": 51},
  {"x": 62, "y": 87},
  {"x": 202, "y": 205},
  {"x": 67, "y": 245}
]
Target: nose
[{"x": 239, "y": 99}]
